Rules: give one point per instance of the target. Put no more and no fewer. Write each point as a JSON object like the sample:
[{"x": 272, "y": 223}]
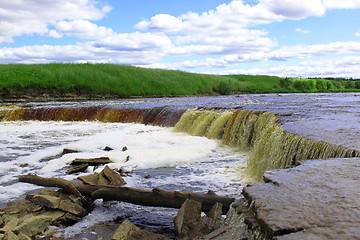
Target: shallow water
[{"x": 175, "y": 161}]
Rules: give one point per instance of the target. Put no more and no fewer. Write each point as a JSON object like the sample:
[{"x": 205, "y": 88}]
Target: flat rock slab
[{"x": 316, "y": 200}]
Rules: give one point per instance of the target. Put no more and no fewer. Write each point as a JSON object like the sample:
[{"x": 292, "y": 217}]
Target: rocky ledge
[{"x": 316, "y": 200}]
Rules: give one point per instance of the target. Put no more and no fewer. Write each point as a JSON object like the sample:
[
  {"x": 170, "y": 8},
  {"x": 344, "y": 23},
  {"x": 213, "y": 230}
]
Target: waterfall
[
  {"x": 258, "y": 133},
  {"x": 160, "y": 116}
]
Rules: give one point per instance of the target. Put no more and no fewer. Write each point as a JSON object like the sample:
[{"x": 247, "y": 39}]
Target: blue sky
[{"x": 307, "y": 38}]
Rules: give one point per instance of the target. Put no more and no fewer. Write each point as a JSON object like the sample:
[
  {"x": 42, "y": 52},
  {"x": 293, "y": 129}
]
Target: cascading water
[{"x": 258, "y": 132}]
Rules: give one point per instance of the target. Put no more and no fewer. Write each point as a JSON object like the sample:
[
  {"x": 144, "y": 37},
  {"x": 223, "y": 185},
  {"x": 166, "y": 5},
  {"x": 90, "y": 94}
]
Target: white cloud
[
  {"x": 218, "y": 31},
  {"x": 30, "y": 17},
  {"x": 340, "y": 67},
  {"x": 162, "y": 22},
  {"x": 81, "y": 52},
  {"x": 83, "y": 29},
  {"x": 294, "y": 9},
  {"x": 54, "y": 34},
  {"x": 301, "y": 30},
  {"x": 135, "y": 42},
  {"x": 280, "y": 55},
  {"x": 343, "y": 4}
]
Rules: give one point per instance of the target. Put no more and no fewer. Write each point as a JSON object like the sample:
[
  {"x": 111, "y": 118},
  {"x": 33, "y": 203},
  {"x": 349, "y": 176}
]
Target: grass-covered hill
[{"x": 119, "y": 81}]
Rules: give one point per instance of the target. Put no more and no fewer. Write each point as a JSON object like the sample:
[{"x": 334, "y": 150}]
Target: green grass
[{"x": 120, "y": 81}]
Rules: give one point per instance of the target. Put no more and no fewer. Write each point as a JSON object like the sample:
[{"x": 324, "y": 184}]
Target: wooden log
[
  {"x": 156, "y": 197},
  {"x": 91, "y": 161}
]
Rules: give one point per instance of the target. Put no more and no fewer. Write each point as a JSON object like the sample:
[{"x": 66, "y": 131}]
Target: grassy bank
[{"x": 119, "y": 81}]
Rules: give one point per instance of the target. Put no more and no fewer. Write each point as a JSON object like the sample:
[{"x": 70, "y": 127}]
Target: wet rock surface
[{"x": 316, "y": 200}]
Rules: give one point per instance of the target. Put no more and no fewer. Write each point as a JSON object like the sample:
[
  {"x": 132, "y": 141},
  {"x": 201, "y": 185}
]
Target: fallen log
[
  {"x": 91, "y": 161},
  {"x": 156, "y": 197}
]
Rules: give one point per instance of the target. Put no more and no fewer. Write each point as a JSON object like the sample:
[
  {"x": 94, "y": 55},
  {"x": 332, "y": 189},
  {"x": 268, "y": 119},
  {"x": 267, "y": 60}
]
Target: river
[{"x": 174, "y": 160}]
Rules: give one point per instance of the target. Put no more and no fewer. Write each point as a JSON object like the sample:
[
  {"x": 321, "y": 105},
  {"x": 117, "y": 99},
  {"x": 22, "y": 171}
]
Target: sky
[{"x": 287, "y": 38}]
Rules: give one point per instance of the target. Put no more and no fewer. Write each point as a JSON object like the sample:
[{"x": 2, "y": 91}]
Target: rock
[
  {"x": 215, "y": 212},
  {"x": 188, "y": 218},
  {"x": 10, "y": 235},
  {"x": 22, "y": 236},
  {"x": 10, "y": 224},
  {"x": 50, "y": 193},
  {"x": 212, "y": 220},
  {"x": 71, "y": 217},
  {"x": 44, "y": 200},
  {"x": 32, "y": 225},
  {"x": 114, "y": 178},
  {"x": 128, "y": 231},
  {"x": 106, "y": 177},
  {"x": 234, "y": 226},
  {"x": 108, "y": 149},
  {"x": 92, "y": 179},
  {"x": 79, "y": 168},
  {"x": 70, "y": 207},
  {"x": 67, "y": 150},
  {"x": 318, "y": 198},
  {"x": 54, "y": 215},
  {"x": 48, "y": 234},
  {"x": 124, "y": 149}
]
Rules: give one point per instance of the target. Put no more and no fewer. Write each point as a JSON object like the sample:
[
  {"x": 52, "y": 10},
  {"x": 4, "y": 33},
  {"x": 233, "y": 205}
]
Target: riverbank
[{"x": 50, "y": 82}]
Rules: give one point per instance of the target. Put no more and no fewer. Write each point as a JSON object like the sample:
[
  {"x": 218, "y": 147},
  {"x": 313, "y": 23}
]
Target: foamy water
[{"x": 175, "y": 161}]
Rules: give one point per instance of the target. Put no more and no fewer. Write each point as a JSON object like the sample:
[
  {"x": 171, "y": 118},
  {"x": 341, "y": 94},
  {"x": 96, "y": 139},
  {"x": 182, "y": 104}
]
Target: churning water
[{"x": 175, "y": 161}]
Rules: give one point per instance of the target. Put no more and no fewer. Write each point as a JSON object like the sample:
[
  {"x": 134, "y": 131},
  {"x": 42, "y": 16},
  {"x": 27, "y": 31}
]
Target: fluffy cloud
[
  {"x": 280, "y": 55},
  {"x": 301, "y": 30},
  {"x": 341, "y": 67},
  {"x": 30, "y": 17},
  {"x": 135, "y": 42},
  {"x": 79, "y": 53},
  {"x": 218, "y": 31},
  {"x": 343, "y": 4},
  {"x": 294, "y": 9},
  {"x": 82, "y": 29}
]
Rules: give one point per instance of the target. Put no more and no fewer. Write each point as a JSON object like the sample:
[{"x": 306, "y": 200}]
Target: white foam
[{"x": 190, "y": 163}]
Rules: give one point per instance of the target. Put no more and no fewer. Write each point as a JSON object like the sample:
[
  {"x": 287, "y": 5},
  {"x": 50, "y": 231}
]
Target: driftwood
[
  {"x": 156, "y": 197},
  {"x": 91, "y": 161}
]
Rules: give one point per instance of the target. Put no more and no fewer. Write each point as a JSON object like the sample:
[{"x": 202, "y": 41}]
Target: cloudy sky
[{"x": 299, "y": 38}]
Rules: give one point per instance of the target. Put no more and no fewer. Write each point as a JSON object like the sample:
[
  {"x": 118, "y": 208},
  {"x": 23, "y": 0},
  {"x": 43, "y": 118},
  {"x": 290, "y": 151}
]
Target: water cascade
[
  {"x": 259, "y": 133},
  {"x": 256, "y": 132},
  {"x": 159, "y": 116}
]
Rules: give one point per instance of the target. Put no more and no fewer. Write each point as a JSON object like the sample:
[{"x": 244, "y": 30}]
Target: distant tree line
[{"x": 319, "y": 84}]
